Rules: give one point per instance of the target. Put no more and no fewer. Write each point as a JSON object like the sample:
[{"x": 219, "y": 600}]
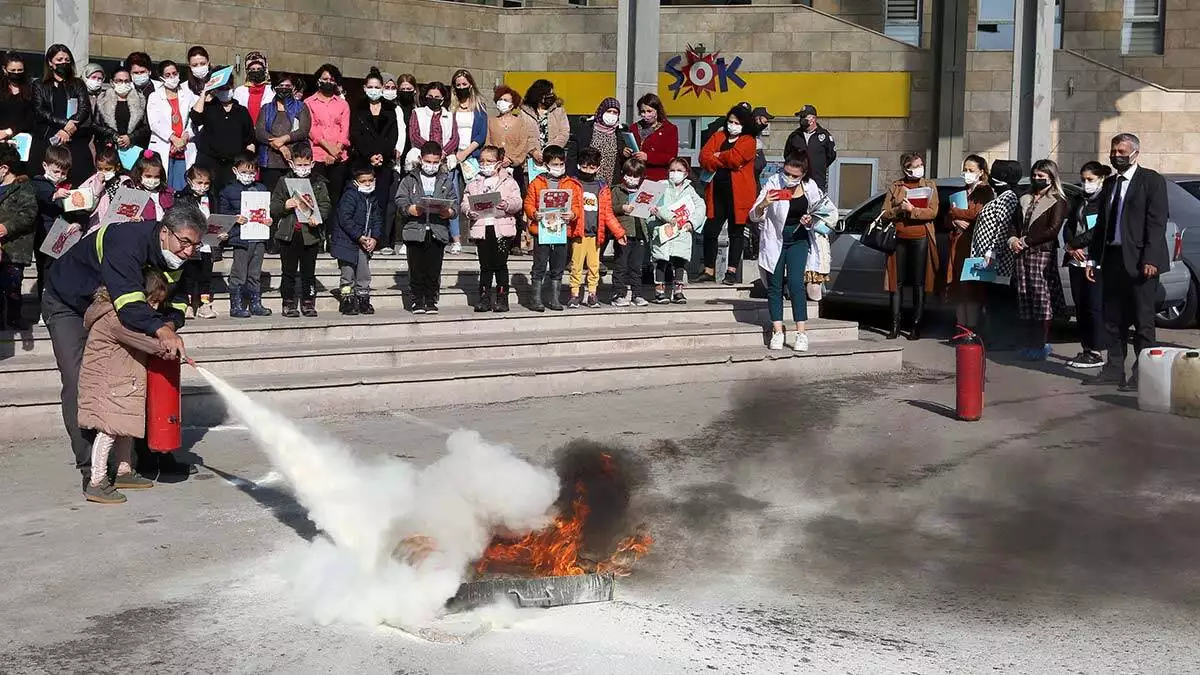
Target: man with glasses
[{"x": 116, "y": 256}]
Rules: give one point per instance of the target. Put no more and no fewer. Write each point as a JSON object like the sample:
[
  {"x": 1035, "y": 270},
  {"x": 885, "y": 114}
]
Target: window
[
  {"x": 1142, "y": 29},
  {"x": 852, "y": 181},
  {"x": 902, "y": 20},
  {"x": 995, "y": 28}
]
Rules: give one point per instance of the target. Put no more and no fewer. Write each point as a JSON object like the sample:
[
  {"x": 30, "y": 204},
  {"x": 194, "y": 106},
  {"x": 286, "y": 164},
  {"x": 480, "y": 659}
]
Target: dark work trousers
[
  {"x": 670, "y": 271},
  {"x": 299, "y": 263},
  {"x": 221, "y": 170},
  {"x": 518, "y": 174},
  {"x": 627, "y": 277},
  {"x": 493, "y": 258},
  {"x": 336, "y": 175},
  {"x": 1089, "y": 309},
  {"x": 67, "y": 338},
  {"x": 1128, "y": 301},
  {"x": 197, "y": 277},
  {"x": 425, "y": 267},
  {"x": 246, "y": 270},
  {"x": 548, "y": 256},
  {"x": 722, "y": 213},
  {"x": 383, "y": 197}
]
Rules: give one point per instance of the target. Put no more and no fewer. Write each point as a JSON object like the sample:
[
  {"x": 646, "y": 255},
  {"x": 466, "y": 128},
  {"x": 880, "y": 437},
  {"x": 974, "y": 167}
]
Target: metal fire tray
[{"x": 535, "y": 592}]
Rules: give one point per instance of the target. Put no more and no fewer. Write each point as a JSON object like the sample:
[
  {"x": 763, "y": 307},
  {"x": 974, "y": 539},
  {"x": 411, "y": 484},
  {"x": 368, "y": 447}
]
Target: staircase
[{"x": 396, "y": 361}]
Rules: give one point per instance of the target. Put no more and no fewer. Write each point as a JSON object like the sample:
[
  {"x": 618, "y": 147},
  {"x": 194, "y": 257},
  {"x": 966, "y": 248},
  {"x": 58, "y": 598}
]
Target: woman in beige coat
[{"x": 112, "y": 390}]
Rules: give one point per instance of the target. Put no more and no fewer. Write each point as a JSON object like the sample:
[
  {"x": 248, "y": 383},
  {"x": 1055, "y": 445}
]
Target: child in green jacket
[{"x": 630, "y": 258}]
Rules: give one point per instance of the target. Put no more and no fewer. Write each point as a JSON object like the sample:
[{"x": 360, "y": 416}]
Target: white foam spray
[{"x": 369, "y": 507}]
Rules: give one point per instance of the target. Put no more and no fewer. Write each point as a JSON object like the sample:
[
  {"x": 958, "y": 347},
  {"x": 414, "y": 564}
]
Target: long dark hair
[
  {"x": 537, "y": 91},
  {"x": 53, "y": 51},
  {"x": 746, "y": 118},
  {"x": 653, "y": 101},
  {"x": 23, "y": 86}
]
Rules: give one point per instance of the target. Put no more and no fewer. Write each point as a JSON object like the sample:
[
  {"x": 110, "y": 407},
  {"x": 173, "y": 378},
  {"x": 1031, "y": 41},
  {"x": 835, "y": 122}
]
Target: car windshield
[{"x": 1192, "y": 187}]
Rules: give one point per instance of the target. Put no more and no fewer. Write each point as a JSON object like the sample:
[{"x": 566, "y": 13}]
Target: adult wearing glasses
[{"x": 116, "y": 258}]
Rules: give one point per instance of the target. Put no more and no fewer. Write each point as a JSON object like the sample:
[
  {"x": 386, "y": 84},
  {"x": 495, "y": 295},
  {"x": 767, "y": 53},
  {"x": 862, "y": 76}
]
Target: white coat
[
  {"x": 242, "y": 95},
  {"x": 770, "y": 239},
  {"x": 158, "y": 112}
]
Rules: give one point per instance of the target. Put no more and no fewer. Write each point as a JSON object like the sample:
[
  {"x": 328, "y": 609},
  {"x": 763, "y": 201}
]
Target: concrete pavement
[{"x": 838, "y": 526}]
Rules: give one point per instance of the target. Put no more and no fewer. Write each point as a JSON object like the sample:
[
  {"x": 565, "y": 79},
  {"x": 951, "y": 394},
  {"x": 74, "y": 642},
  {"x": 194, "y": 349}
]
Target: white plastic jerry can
[
  {"x": 1185, "y": 384},
  {"x": 1154, "y": 378}
]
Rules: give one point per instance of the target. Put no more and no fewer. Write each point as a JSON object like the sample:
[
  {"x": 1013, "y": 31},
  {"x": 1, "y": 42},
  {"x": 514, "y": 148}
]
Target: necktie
[{"x": 1114, "y": 216}]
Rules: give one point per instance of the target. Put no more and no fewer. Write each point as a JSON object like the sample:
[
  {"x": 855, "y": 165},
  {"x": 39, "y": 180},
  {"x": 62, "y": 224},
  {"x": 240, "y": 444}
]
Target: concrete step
[
  {"x": 452, "y": 350},
  {"x": 33, "y": 412},
  {"x": 455, "y": 319}
]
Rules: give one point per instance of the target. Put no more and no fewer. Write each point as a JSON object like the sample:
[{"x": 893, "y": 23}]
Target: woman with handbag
[
  {"x": 967, "y": 296},
  {"x": 911, "y": 205},
  {"x": 1089, "y": 296},
  {"x": 1034, "y": 242}
]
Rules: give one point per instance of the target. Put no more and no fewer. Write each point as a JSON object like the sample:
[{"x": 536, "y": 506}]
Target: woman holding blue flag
[{"x": 960, "y": 218}]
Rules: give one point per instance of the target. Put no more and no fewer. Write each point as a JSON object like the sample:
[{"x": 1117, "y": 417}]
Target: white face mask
[
  {"x": 791, "y": 181},
  {"x": 970, "y": 177},
  {"x": 633, "y": 181},
  {"x": 430, "y": 168},
  {"x": 503, "y": 107},
  {"x": 198, "y": 189},
  {"x": 389, "y": 94},
  {"x": 245, "y": 178},
  {"x": 302, "y": 171},
  {"x": 107, "y": 175},
  {"x": 374, "y": 93},
  {"x": 173, "y": 261},
  {"x": 916, "y": 172},
  {"x": 171, "y": 83},
  {"x": 123, "y": 88},
  {"x": 650, "y": 116},
  {"x": 1091, "y": 187},
  {"x": 141, "y": 79},
  {"x": 557, "y": 171},
  {"x": 366, "y": 189},
  {"x": 199, "y": 72},
  {"x": 677, "y": 177},
  {"x": 151, "y": 183},
  {"x": 610, "y": 119},
  {"x": 93, "y": 85},
  {"x": 733, "y": 129},
  {"x": 488, "y": 170},
  {"x": 53, "y": 175}
]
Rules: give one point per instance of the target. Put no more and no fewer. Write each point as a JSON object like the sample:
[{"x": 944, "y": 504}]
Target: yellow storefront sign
[{"x": 834, "y": 94}]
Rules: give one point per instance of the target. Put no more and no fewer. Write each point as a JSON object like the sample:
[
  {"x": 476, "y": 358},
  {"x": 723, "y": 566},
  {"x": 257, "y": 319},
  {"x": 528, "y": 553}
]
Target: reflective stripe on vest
[
  {"x": 135, "y": 296},
  {"x": 100, "y": 243}
]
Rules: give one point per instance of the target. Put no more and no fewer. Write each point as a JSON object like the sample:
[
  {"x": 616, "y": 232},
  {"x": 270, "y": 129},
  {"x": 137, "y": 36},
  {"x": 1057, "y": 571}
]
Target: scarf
[{"x": 606, "y": 104}]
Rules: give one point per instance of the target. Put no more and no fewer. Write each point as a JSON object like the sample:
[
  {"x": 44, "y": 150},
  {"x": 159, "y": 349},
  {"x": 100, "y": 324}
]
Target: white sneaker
[
  {"x": 801, "y": 344},
  {"x": 776, "y": 341},
  {"x": 387, "y": 251},
  {"x": 402, "y": 250},
  {"x": 455, "y": 248}
]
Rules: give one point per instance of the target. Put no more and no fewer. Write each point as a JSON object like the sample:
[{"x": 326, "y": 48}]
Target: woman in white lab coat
[{"x": 170, "y": 129}]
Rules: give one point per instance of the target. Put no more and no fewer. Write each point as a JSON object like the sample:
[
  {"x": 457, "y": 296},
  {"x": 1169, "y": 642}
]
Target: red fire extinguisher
[
  {"x": 164, "y": 423},
  {"x": 970, "y": 371}
]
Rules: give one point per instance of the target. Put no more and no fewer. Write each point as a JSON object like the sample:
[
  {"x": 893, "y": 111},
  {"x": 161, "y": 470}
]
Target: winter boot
[
  {"x": 555, "y": 305},
  {"x": 308, "y": 306},
  {"x": 501, "y": 299},
  {"x": 256, "y": 306},
  {"x": 289, "y": 309},
  {"x": 485, "y": 299},
  {"x": 237, "y": 303},
  {"x": 535, "y": 300},
  {"x": 349, "y": 304},
  {"x": 364, "y": 304}
]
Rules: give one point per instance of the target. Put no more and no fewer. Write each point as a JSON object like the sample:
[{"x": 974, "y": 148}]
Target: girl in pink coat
[{"x": 493, "y": 225}]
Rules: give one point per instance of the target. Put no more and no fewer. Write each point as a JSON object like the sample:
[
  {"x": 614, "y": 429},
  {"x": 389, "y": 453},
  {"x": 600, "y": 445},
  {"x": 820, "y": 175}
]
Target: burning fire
[{"x": 556, "y": 550}]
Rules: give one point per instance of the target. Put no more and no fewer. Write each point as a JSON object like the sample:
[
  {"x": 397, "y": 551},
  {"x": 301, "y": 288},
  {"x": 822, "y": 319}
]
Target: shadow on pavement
[{"x": 282, "y": 505}]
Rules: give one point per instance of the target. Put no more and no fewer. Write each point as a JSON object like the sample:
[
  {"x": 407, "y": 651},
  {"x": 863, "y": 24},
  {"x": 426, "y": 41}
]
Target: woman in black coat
[
  {"x": 54, "y": 96},
  {"x": 374, "y": 132},
  {"x": 16, "y": 104}
]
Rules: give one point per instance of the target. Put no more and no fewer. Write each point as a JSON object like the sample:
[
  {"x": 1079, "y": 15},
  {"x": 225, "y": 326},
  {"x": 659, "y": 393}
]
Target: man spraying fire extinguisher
[{"x": 116, "y": 257}]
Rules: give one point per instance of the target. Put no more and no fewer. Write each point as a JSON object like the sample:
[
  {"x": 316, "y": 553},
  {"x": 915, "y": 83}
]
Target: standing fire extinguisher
[
  {"x": 164, "y": 423},
  {"x": 970, "y": 372}
]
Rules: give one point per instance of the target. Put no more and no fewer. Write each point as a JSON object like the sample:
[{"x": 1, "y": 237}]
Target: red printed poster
[
  {"x": 256, "y": 209},
  {"x": 61, "y": 237}
]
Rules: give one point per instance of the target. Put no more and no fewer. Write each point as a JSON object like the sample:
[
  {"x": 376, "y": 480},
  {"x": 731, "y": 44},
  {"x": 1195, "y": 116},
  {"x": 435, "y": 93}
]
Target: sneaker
[
  {"x": 189, "y": 313},
  {"x": 574, "y": 302},
  {"x": 402, "y": 250},
  {"x": 132, "y": 481},
  {"x": 776, "y": 342},
  {"x": 206, "y": 311},
  {"x": 103, "y": 494},
  {"x": 801, "y": 344},
  {"x": 431, "y": 308},
  {"x": 639, "y": 301},
  {"x": 704, "y": 277},
  {"x": 1088, "y": 359},
  {"x": 621, "y": 301},
  {"x": 678, "y": 297},
  {"x": 455, "y": 248},
  {"x": 592, "y": 302},
  {"x": 660, "y": 298},
  {"x": 730, "y": 279},
  {"x": 418, "y": 307},
  {"x": 387, "y": 251}
]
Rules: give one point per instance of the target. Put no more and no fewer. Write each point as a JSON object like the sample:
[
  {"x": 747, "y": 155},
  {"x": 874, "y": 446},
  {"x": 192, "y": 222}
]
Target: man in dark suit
[{"x": 1130, "y": 253}]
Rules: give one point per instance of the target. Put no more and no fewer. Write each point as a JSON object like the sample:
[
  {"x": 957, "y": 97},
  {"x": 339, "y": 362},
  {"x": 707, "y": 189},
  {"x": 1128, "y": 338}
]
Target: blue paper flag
[
  {"x": 959, "y": 199},
  {"x": 533, "y": 170},
  {"x": 1090, "y": 221},
  {"x": 129, "y": 156},
  {"x": 975, "y": 269},
  {"x": 22, "y": 143},
  {"x": 219, "y": 79}
]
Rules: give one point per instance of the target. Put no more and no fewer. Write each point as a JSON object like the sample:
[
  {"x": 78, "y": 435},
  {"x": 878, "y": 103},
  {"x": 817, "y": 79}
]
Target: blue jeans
[
  {"x": 792, "y": 261},
  {"x": 455, "y": 227},
  {"x": 177, "y": 174}
]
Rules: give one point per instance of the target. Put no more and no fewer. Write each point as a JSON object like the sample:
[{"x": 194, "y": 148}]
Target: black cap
[
  {"x": 744, "y": 104},
  {"x": 806, "y": 110},
  {"x": 762, "y": 112}
]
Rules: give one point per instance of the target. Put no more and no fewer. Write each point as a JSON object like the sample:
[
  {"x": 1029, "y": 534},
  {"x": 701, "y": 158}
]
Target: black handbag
[{"x": 880, "y": 236}]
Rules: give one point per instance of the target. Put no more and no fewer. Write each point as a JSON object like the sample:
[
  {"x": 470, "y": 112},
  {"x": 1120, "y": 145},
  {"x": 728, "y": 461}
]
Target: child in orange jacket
[
  {"x": 548, "y": 225},
  {"x": 587, "y": 234}
]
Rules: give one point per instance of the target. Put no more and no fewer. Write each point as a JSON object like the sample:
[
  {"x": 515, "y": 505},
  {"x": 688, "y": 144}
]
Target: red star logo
[{"x": 700, "y": 72}]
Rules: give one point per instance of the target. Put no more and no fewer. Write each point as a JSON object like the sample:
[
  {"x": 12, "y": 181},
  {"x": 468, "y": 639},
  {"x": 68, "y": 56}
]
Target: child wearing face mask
[
  {"x": 51, "y": 188},
  {"x": 550, "y": 259},
  {"x": 245, "y": 273},
  {"x": 587, "y": 234},
  {"x": 18, "y": 225},
  {"x": 1088, "y": 296},
  {"x": 223, "y": 132},
  {"x": 356, "y": 234},
  {"x": 148, "y": 174},
  {"x": 493, "y": 230},
  {"x": 198, "y": 270},
  {"x": 671, "y": 247},
  {"x": 631, "y": 257},
  {"x": 103, "y": 185},
  {"x": 426, "y": 230},
  {"x": 299, "y": 238}
]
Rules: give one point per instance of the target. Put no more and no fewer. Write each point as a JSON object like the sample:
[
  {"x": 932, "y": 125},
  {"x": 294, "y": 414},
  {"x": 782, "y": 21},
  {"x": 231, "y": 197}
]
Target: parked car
[{"x": 856, "y": 272}]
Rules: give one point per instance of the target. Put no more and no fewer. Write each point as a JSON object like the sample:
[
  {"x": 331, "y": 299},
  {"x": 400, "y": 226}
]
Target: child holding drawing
[
  {"x": 298, "y": 236},
  {"x": 245, "y": 274},
  {"x": 587, "y": 234},
  {"x": 553, "y": 202},
  {"x": 678, "y": 214},
  {"x": 103, "y": 184},
  {"x": 114, "y": 360},
  {"x": 493, "y": 225},
  {"x": 425, "y": 204},
  {"x": 198, "y": 270},
  {"x": 631, "y": 257}
]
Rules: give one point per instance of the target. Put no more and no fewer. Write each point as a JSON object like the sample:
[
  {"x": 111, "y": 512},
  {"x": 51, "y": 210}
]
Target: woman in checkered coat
[{"x": 1034, "y": 243}]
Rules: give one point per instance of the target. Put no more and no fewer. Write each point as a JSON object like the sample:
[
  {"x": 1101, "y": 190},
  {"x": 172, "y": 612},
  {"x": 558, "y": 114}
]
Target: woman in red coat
[
  {"x": 657, "y": 138},
  {"x": 728, "y": 157}
]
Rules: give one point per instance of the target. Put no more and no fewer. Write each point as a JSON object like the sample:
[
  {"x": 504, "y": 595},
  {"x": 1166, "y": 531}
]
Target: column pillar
[
  {"x": 1033, "y": 74},
  {"x": 950, "y": 77},
  {"x": 69, "y": 22},
  {"x": 637, "y": 52}
]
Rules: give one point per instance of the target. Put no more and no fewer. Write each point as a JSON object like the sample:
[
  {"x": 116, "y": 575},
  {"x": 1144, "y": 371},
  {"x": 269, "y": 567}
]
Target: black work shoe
[
  {"x": 704, "y": 277},
  {"x": 168, "y": 464},
  {"x": 730, "y": 279},
  {"x": 1087, "y": 359},
  {"x": 349, "y": 305}
]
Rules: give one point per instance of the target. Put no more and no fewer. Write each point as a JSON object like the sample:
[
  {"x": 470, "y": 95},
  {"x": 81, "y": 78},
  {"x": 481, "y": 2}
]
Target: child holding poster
[
  {"x": 198, "y": 270},
  {"x": 587, "y": 234},
  {"x": 51, "y": 187},
  {"x": 299, "y": 240},
  {"x": 679, "y": 213},
  {"x": 148, "y": 174},
  {"x": 631, "y": 257},
  {"x": 553, "y": 202},
  {"x": 245, "y": 273},
  {"x": 18, "y": 221},
  {"x": 491, "y": 202}
]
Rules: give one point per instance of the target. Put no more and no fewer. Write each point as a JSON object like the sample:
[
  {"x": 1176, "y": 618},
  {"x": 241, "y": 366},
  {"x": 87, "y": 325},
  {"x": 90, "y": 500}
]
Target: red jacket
[
  {"x": 606, "y": 222},
  {"x": 541, "y": 183},
  {"x": 660, "y": 147},
  {"x": 740, "y": 161}
]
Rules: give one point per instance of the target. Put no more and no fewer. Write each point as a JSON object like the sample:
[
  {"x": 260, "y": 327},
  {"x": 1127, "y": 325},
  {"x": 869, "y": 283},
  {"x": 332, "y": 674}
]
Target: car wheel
[{"x": 1181, "y": 315}]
